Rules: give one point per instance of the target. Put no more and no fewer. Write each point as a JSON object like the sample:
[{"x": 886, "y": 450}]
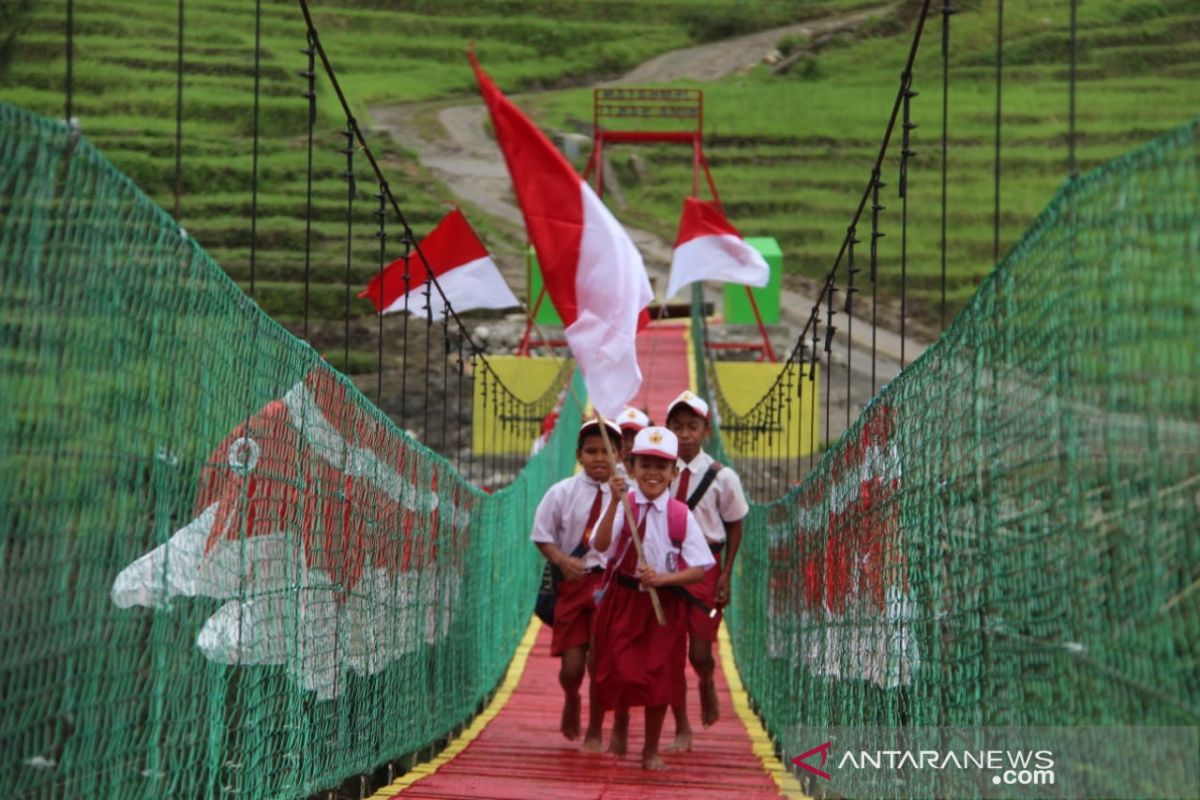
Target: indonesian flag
[
  {"x": 592, "y": 271},
  {"x": 709, "y": 248},
  {"x": 459, "y": 261}
]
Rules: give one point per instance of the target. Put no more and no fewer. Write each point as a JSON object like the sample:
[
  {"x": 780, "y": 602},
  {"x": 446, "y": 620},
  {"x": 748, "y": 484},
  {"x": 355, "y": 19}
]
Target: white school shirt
[
  {"x": 723, "y": 502},
  {"x": 563, "y": 513},
  {"x": 659, "y": 552}
]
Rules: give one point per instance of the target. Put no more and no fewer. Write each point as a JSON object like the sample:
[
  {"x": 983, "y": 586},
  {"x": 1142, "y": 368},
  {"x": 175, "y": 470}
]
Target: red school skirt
[
  {"x": 574, "y": 611},
  {"x": 637, "y": 661}
]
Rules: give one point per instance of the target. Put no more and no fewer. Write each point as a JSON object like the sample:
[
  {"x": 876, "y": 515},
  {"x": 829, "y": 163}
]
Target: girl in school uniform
[{"x": 639, "y": 662}]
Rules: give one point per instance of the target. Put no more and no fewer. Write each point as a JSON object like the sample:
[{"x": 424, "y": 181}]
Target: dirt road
[{"x": 454, "y": 144}]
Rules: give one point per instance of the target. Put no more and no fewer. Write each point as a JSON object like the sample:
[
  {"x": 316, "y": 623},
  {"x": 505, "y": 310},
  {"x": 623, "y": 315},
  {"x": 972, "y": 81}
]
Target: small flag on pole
[
  {"x": 464, "y": 270},
  {"x": 709, "y": 248}
]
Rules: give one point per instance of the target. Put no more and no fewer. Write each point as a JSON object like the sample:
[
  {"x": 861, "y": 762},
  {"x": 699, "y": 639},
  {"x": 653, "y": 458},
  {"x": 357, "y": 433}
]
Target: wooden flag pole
[{"x": 630, "y": 520}]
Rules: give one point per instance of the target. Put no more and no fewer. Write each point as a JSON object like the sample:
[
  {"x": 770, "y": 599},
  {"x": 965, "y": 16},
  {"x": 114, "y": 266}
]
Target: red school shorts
[
  {"x": 573, "y": 612},
  {"x": 699, "y": 624}
]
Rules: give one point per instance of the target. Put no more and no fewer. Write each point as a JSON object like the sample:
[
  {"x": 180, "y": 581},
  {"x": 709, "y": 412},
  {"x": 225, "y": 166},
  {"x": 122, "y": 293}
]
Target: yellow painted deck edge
[
  {"x": 511, "y": 678},
  {"x": 691, "y": 359},
  {"x": 759, "y": 740}
]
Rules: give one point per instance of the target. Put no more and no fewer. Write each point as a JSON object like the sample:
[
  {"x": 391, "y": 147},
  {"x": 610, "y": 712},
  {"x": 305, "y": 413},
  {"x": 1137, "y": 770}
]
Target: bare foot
[
  {"x": 683, "y": 741},
  {"x": 570, "y": 717},
  {"x": 653, "y": 761},
  {"x": 591, "y": 744},
  {"x": 618, "y": 740},
  {"x": 710, "y": 710}
]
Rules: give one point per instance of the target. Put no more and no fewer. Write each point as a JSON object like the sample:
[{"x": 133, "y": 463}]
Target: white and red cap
[
  {"x": 594, "y": 423},
  {"x": 656, "y": 441},
  {"x": 690, "y": 400},
  {"x": 632, "y": 419}
]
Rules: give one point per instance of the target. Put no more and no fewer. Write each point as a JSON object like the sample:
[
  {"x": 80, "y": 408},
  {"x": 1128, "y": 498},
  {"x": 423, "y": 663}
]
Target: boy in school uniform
[
  {"x": 630, "y": 420},
  {"x": 563, "y": 530},
  {"x": 638, "y": 662},
  {"x": 714, "y": 493}
]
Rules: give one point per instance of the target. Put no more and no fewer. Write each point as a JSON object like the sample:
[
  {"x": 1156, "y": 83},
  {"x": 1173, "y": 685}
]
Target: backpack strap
[
  {"x": 710, "y": 475},
  {"x": 677, "y": 517}
]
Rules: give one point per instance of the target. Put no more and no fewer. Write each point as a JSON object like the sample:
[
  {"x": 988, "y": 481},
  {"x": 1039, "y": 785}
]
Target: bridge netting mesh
[
  {"x": 225, "y": 573},
  {"x": 1010, "y": 532}
]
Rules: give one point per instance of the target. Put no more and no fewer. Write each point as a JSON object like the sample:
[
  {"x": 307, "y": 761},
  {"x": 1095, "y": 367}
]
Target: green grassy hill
[
  {"x": 790, "y": 152},
  {"x": 124, "y": 97}
]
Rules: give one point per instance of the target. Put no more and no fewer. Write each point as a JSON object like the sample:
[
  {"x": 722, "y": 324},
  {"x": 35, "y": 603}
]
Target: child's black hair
[
  {"x": 633, "y": 458},
  {"x": 596, "y": 430},
  {"x": 682, "y": 406}
]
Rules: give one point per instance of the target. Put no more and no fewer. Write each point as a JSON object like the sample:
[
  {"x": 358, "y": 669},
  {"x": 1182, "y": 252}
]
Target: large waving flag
[
  {"x": 709, "y": 248},
  {"x": 592, "y": 270},
  {"x": 463, "y": 268}
]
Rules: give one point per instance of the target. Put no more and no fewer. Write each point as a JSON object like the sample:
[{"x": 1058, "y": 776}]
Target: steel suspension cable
[
  {"x": 999, "y": 97},
  {"x": 1072, "y": 165},
  {"x": 871, "y": 191},
  {"x": 381, "y": 233},
  {"x": 351, "y": 190},
  {"x": 948, "y": 10},
  {"x": 851, "y": 270},
  {"x": 310, "y": 75},
  {"x": 254, "y": 156},
  {"x": 69, "y": 78},
  {"x": 876, "y": 235},
  {"x": 906, "y": 153},
  {"x": 356, "y": 131},
  {"x": 179, "y": 113}
]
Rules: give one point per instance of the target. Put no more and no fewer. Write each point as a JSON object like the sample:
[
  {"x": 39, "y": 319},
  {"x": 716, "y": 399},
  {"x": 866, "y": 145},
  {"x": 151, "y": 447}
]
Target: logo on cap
[{"x": 655, "y": 437}]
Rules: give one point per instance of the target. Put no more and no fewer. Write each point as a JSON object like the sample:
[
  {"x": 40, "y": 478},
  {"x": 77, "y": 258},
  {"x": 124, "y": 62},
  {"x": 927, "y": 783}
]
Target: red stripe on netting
[
  {"x": 663, "y": 357},
  {"x": 521, "y": 754}
]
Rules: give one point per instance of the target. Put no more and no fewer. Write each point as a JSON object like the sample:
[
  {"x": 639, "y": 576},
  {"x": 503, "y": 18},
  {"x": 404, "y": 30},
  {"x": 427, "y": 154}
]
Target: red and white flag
[
  {"x": 592, "y": 271},
  {"x": 459, "y": 261},
  {"x": 709, "y": 248},
  {"x": 324, "y": 543}
]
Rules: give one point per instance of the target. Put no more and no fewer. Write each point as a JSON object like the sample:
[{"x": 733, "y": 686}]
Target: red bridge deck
[
  {"x": 664, "y": 355},
  {"x": 514, "y": 751},
  {"x": 520, "y": 755}
]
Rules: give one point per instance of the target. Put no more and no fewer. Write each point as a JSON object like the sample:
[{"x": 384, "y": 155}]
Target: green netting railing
[
  {"x": 223, "y": 573},
  {"x": 1010, "y": 533}
]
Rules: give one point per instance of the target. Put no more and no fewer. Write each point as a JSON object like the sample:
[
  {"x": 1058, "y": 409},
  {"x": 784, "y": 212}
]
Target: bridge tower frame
[{"x": 647, "y": 103}]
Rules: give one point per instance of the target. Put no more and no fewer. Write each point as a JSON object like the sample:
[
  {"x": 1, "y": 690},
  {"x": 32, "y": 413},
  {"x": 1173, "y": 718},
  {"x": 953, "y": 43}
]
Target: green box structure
[
  {"x": 546, "y": 314},
  {"x": 737, "y": 305}
]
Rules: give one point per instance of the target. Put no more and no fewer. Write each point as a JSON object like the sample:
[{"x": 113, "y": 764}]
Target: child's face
[
  {"x": 690, "y": 428},
  {"x": 594, "y": 458},
  {"x": 653, "y": 474},
  {"x": 627, "y": 438}
]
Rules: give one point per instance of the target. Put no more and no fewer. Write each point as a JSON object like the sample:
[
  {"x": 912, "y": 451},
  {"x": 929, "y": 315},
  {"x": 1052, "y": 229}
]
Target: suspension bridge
[{"x": 229, "y": 570}]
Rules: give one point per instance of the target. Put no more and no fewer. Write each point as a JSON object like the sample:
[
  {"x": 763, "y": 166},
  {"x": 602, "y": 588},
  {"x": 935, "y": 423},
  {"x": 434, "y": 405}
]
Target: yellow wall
[
  {"x": 528, "y": 378},
  {"x": 743, "y": 384}
]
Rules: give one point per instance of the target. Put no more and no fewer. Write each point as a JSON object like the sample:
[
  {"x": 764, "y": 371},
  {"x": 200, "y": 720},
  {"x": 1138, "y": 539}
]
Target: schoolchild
[
  {"x": 714, "y": 493},
  {"x": 564, "y": 531},
  {"x": 637, "y": 661},
  {"x": 631, "y": 421}
]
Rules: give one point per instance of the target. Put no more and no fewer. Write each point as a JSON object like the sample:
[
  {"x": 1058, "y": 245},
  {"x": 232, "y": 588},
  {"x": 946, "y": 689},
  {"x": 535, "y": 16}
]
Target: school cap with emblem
[
  {"x": 632, "y": 419},
  {"x": 594, "y": 425},
  {"x": 656, "y": 441},
  {"x": 690, "y": 400}
]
